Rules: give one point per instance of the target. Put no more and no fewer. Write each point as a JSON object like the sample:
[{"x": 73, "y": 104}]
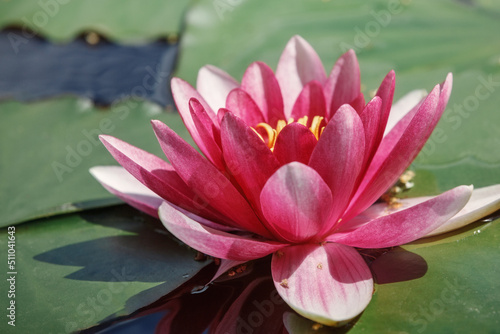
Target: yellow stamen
[
  {"x": 315, "y": 126},
  {"x": 271, "y": 133},
  {"x": 281, "y": 124},
  {"x": 303, "y": 120},
  {"x": 268, "y": 135}
]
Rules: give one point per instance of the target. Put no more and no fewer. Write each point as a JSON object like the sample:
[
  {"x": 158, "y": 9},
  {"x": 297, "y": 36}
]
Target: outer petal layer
[
  {"x": 395, "y": 154},
  {"x": 403, "y": 106},
  {"x": 407, "y": 225},
  {"x": 330, "y": 284},
  {"x": 484, "y": 201},
  {"x": 206, "y": 181},
  {"x": 122, "y": 184},
  {"x": 154, "y": 173},
  {"x": 214, "y": 242}
]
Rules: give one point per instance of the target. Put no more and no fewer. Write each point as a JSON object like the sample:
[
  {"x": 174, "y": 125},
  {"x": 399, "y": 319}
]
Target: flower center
[{"x": 269, "y": 135}]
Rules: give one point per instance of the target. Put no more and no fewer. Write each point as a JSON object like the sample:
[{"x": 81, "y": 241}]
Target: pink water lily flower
[{"x": 293, "y": 164}]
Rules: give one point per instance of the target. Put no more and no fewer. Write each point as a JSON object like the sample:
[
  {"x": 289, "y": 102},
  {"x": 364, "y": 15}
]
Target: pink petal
[
  {"x": 298, "y": 65},
  {"x": 444, "y": 97},
  {"x": 407, "y": 225},
  {"x": 386, "y": 93},
  {"x": 220, "y": 114},
  {"x": 484, "y": 201},
  {"x": 242, "y": 105},
  {"x": 394, "y": 155},
  {"x": 204, "y": 221},
  {"x": 183, "y": 93},
  {"x": 373, "y": 212},
  {"x": 329, "y": 284},
  {"x": 208, "y": 132},
  {"x": 294, "y": 143},
  {"x": 247, "y": 157},
  {"x": 214, "y": 84},
  {"x": 344, "y": 83},
  {"x": 206, "y": 181},
  {"x": 213, "y": 242},
  {"x": 358, "y": 103},
  {"x": 155, "y": 174},
  {"x": 296, "y": 201},
  {"x": 122, "y": 184},
  {"x": 370, "y": 117},
  {"x": 395, "y": 135},
  {"x": 418, "y": 113},
  {"x": 403, "y": 106},
  {"x": 261, "y": 84},
  {"x": 310, "y": 102},
  {"x": 338, "y": 156}
]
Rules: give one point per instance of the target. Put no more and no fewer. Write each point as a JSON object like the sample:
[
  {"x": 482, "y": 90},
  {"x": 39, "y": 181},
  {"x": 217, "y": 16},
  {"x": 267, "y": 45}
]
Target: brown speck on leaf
[
  {"x": 320, "y": 265},
  {"x": 279, "y": 254},
  {"x": 200, "y": 257},
  {"x": 241, "y": 268},
  {"x": 317, "y": 326},
  {"x": 284, "y": 283}
]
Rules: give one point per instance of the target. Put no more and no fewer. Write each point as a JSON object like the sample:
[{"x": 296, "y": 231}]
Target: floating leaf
[{"x": 47, "y": 148}]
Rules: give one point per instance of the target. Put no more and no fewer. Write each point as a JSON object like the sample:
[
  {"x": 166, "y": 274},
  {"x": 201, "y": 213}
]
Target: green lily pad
[
  {"x": 74, "y": 271},
  {"x": 48, "y": 147},
  {"x": 121, "y": 21},
  {"x": 421, "y": 40},
  {"x": 456, "y": 294}
]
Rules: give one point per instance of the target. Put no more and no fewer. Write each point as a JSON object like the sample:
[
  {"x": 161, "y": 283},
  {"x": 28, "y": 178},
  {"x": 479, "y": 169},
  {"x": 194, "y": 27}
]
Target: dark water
[
  {"x": 32, "y": 68},
  {"x": 244, "y": 303},
  {"x": 247, "y": 302}
]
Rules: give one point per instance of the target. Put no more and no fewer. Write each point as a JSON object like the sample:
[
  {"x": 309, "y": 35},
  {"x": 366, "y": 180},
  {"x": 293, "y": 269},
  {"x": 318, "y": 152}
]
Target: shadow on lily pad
[
  {"x": 398, "y": 265},
  {"x": 145, "y": 254}
]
